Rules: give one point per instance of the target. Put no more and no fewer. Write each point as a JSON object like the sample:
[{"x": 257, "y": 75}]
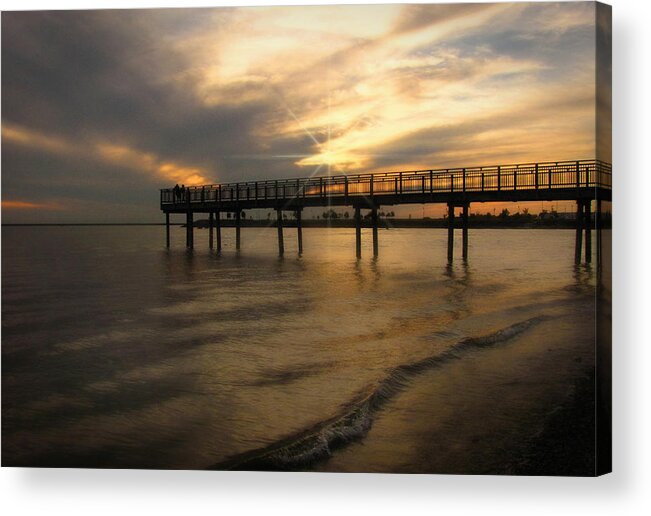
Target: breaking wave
[{"x": 304, "y": 448}]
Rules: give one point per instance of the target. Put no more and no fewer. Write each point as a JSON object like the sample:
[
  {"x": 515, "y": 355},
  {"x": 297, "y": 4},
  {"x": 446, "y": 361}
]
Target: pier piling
[
  {"x": 579, "y": 232},
  {"x": 279, "y": 224},
  {"x": 464, "y": 225},
  {"x": 299, "y": 231},
  {"x": 598, "y": 224},
  {"x": 218, "y": 230},
  {"x": 358, "y": 232},
  {"x": 588, "y": 232},
  {"x": 167, "y": 228},
  {"x": 450, "y": 232},
  {"x": 211, "y": 217},
  {"x": 237, "y": 229},
  {"x": 189, "y": 230},
  {"x": 375, "y": 235}
]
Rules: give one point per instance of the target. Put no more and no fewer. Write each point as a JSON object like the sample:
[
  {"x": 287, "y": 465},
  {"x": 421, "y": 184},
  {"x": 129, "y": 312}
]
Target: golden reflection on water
[{"x": 186, "y": 358}]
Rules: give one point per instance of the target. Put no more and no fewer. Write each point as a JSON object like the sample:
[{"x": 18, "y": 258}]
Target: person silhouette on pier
[
  {"x": 183, "y": 192},
  {"x": 177, "y": 192}
]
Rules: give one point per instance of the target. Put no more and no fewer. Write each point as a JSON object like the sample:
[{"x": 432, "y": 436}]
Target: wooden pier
[{"x": 582, "y": 181}]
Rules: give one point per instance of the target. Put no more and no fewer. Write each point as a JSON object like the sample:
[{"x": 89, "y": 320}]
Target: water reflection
[
  {"x": 584, "y": 275},
  {"x": 158, "y": 357}
]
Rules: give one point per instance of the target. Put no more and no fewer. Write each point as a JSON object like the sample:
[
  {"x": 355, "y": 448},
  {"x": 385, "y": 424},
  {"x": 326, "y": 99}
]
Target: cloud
[
  {"x": 114, "y": 104},
  {"x": 119, "y": 154},
  {"x": 22, "y": 136},
  {"x": 148, "y": 162},
  {"x": 27, "y": 205}
]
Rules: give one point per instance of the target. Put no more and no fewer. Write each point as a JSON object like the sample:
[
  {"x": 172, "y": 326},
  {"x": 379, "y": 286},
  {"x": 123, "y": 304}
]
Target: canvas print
[{"x": 338, "y": 238}]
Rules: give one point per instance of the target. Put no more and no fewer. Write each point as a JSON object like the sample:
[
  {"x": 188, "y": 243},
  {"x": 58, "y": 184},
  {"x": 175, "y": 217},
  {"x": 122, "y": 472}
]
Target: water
[{"x": 119, "y": 353}]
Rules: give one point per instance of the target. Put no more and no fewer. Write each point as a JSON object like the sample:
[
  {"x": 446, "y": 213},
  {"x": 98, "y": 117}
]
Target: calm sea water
[{"x": 117, "y": 352}]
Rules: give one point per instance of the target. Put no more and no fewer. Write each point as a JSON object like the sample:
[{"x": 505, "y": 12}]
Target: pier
[{"x": 583, "y": 181}]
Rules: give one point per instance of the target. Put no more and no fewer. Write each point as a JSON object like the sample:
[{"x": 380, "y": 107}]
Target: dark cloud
[
  {"x": 131, "y": 79},
  {"x": 84, "y": 73},
  {"x": 93, "y": 76}
]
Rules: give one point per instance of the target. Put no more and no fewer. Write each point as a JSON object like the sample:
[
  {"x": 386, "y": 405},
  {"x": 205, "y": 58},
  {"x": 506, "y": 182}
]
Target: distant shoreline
[
  {"x": 89, "y": 224},
  {"x": 337, "y": 223}
]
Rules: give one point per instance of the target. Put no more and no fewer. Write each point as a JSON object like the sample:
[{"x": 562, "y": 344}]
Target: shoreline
[
  {"x": 310, "y": 223},
  {"x": 533, "y": 396}
]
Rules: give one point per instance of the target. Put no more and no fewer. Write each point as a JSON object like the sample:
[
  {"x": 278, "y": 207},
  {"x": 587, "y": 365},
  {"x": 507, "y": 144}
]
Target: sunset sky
[{"x": 100, "y": 109}]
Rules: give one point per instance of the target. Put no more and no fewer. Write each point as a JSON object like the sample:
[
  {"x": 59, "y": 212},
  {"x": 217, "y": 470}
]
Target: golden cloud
[
  {"x": 148, "y": 162},
  {"x": 29, "y": 205},
  {"x": 117, "y": 154},
  {"x": 354, "y": 83}
]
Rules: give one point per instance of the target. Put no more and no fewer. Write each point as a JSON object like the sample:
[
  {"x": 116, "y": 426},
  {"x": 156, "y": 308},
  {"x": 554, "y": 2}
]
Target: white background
[{"x": 626, "y": 491}]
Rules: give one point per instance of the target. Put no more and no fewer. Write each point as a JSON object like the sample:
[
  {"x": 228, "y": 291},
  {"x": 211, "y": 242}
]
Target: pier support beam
[
  {"x": 167, "y": 229},
  {"x": 598, "y": 223},
  {"x": 450, "y": 232},
  {"x": 464, "y": 226},
  {"x": 299, "y": 231},
  {"x": 279, "y": 224},
  {"x": 218, "y": 230},
  {"x": 375, "y": 237},
  {"x": 238, "y": 215},
  {"x": 211, "y": 217},
  {"x": 579, "y": 232},
  {"x": 588, "y": 232},
  {"x": 358, "y": 232},
  {"x": 189, "y": 230}
]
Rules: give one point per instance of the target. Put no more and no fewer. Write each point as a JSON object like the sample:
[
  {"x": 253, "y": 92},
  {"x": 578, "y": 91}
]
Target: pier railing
[{"x": 514, "y": 177}]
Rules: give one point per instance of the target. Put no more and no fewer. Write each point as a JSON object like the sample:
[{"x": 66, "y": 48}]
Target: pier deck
[{"x": 582, "y": 181}]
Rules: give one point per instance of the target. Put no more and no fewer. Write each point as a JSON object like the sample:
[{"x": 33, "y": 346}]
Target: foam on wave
[{"x": 317, "y": 442}]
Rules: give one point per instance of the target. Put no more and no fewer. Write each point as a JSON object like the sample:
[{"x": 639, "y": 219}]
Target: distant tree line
[
  {"x": 523, "y": 219},
  {"x": 333, "y": 215}
]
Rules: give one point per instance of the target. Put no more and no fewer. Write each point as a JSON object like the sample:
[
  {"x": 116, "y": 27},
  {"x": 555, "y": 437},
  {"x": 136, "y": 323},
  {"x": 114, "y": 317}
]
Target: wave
[{"x": 317, "y": 442}]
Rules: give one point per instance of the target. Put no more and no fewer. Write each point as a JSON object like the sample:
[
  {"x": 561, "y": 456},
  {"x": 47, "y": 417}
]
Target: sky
[{"x": 101, "y": 109}]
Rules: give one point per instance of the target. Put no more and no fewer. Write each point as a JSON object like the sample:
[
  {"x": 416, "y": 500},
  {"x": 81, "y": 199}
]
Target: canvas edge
[{"x": 603, "y": 151}]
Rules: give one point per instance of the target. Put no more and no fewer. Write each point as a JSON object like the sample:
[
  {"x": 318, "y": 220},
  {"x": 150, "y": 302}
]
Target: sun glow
[
  {"x": 339, "y": 160},
  {"x": 242, "y": 94}
]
